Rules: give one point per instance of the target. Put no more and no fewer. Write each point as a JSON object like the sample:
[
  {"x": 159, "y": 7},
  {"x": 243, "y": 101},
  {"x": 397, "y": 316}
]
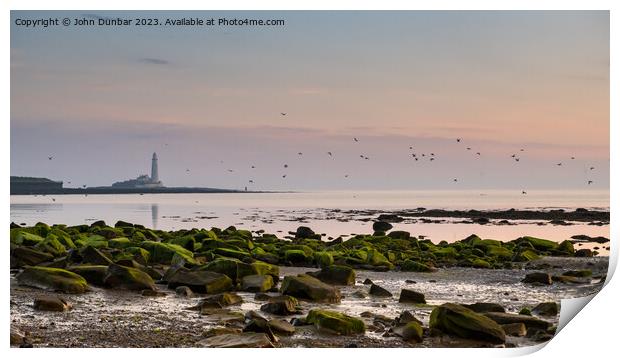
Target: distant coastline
[{"x": 44, "y": 186}]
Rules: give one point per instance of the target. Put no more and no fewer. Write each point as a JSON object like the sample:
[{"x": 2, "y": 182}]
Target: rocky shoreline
[{"x": 130, "y": 286}]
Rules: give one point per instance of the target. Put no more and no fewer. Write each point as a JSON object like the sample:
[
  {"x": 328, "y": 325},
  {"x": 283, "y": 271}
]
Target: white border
[{"x": 593, "y": 330}]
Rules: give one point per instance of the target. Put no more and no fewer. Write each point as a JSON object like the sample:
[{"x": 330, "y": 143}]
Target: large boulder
[
  {"x": 376, "y": 290},
  {"x": 164, "y": 252},
  {"x": 411, "y": 296},
  {"x": 51, "y": 303},
  {"x": 546, "y": 309},
  {"x": 94, "y": 274},
  {"x": 200, "y": 281},
  {"x": 54, "y": 279},
  {"x": 381, "y": 226},
  {"x": 336, "y": 275},
  {"x": 93, "y": 256},
  {"x": 304, "y": 232},
  {"x": 25, "y": 256},
  {"x": 243, "y": 340},
  {"x": 281, "y": 305},
  {"x": 335, "y": 322},
  {"x": 220, "y": 300},
  {"x": 528, "y": 321},
  {"x": 128, "y": 278},
  {"x": 481, "y": 307},
  {"x": 538, "y": 278},
  {"x": 415, "y": 266},
  {"x": 411, "y": 331},
  {"x": 256, "y": 283},
  {"x": 309, "y": 288},
  {"x": 457, "y": 320}
]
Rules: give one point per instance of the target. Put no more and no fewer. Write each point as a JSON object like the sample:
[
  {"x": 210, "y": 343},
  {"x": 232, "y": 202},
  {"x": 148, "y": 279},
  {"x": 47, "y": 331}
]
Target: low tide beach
[{"x": 377, "y": 282}]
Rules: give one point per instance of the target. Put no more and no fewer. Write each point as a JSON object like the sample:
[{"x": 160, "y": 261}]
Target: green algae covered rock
[
  {"x": 256, "y": 283},
  {"x": 323, "y": 258},
  {"x": 120, "y": 243},
  {"x": 54, "y": 279},
  {"x": 162, "y": 253},
  {"x": 297, "y": 257},
  {"x": 128, "y": 278},
  {"x": 414, "y": 266},
  {"x": 566, "y": 247},
  {"x": 525, "y": 256},
  {"x": 200, "y": 281},
  {"x": 94, "y": 274},
  {"x": 457, "y": 320},
  {"x": 480, "y": 263},
  {"x": 19, "y": 236},
  {"x": 411, "y": 331},
  {"x": 336, "y": 275},
  {"x": 25, "y": 256},
  {"x": 309, "y": 288},
  {"x": 538, "y": 244},
  {"x": 335, "y": 322}
]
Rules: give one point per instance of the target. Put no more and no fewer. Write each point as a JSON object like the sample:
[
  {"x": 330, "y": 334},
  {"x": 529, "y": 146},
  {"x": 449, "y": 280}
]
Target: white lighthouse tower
[{"x": 154, "y": 170}]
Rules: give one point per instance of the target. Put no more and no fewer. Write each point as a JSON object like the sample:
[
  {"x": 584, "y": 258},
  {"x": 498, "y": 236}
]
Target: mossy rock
[
  {"x": 162, "y": 253},
  {"x": 411, "y": 331},
  {"x": 414, "y": 266},
  {"x": 96, "y": 241},
  {"x": 446, "y": 252},
  {"x": 257, "y": 283},
  {"x": 139, "y": 254},
  {"x": 526, "y": 256},
  {"x": 25, "y": 256},
  {"x": 128, "y": 278},
  {"x": 120, "y": 243},
  {"x": 62, "y": 237},
  {"x": 94, "y": 274},
  {"x": 539, "y": 244},
  {"x": 335, "y": 322},
  {"x": 499, "y": 252},
  {"x": 224, "y": 266},
  {"x": 200, "y": 281},
  {"x": 187, "y": 242},
  {"x": 480, "y": 263},
  {"x": 335, "y": 275},
  {"x": 108, "y": 232},
  {"x": 457, "y": 320},
  {"x": 52, "y": 246},
  {"x": 566, "y": 247},
  {"x": 323, "y": 258},
  {"x": 232, "y": 253},
  {"x": 20, "y": 236},
  {"x": 309, "y": 288},
  {"x": 91, "y": 255},
  {"x": 52, "y": 279},
  {"x": 297, "y": 257}
]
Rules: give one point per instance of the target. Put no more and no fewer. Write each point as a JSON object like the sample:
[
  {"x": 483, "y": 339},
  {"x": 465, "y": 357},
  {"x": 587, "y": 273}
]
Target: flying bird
[
  {"x": 251, "y": 181},
  {"x": 282, "y": 114},
  {"x": 300, "y": 153},
  {"x": 432, "y": 159},
  {"x": 286, "y": 165},
  {"x": 230, "y": 170},
  {"x": 516, "y": 159},
  {"x": 284, "y": 176},
  {"x": 591, "y": 168},
  {"x": 330, "y": 153},
  {"x": 346, "y": 175},
  {"x": 513, "y": 156},
  {"x": 523, "y": 192},
  {"x": 559, "y": 164},
  {"x": 253, "y": 167},
  {"x": 458, "y": 140},
  {"x": 590, "y": 182},
  {"x": 572, "y": 158},
  {"x": 355, "y": 139},
  {"x": 50, "y": 158},
  {"x": 468, "y": 148},
  {"x": 455, "y": 180},
  {"x": 477, "y": 153},
  {"x": 410, "y": 147}
]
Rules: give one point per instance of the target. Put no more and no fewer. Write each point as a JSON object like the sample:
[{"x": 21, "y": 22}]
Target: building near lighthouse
[{"x": 143, "y": 181}]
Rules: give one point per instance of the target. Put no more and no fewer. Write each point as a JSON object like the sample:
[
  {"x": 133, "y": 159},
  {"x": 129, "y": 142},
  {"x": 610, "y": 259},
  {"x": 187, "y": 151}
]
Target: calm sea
[{"x": 282, "y": 212}]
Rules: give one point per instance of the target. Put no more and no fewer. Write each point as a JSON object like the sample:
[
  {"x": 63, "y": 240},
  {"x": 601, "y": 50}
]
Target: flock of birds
[{"x": 415, "y": 156}]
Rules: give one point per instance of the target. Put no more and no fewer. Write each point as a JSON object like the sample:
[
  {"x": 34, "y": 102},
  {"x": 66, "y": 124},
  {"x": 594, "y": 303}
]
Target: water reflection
[{"x": 154, "y": 215}]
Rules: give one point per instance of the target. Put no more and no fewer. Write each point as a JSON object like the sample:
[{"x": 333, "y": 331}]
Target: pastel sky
[{"x": 101, "y": 100}]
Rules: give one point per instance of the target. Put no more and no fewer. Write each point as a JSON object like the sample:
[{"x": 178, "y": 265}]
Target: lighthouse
[{"x": 154, "y": 170}]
